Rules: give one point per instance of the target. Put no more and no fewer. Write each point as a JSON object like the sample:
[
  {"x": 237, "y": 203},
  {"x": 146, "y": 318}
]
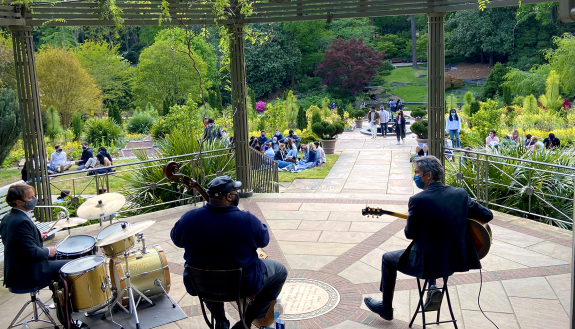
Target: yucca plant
[
  {"x": 147, "y": 186},
  {"x": 539, "y": 189}
]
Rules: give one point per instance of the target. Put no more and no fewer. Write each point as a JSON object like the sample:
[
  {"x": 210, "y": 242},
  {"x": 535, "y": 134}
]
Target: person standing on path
[
  {"x": 383, "y": 120},
  {"x": 373, "y": 122},
  {"x": 400, "y": 127},
  {"x": 453, "y": 127}
]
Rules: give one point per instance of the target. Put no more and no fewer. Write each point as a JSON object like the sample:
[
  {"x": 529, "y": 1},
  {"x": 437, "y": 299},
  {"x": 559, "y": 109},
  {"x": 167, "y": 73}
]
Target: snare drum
[
  {"x": 88, "y": 281},
  {"x": 145, "y": 269},
  {"x": 116, "y": 248},
  {"x": 76, "y": 246}
]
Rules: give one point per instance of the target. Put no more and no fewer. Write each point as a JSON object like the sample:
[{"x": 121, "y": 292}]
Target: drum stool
[
  {"x": 36, "y": 302},
  {"x": 421, "y": 304}
]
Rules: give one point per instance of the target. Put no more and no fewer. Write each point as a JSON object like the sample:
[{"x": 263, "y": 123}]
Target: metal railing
[
  {"x": 143, "y": 183},
  {"x": 264, "y": 171},
  {"x": 525, "y": 188}
]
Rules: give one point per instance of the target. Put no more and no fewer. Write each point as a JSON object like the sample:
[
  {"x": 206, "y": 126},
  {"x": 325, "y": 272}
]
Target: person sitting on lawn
[
  {"x": 101, "y": 161},
  {"x": 87, "y": 153},
  {"x": 268, "y": 150},
  {"x": 263, "y": 139},
  {"x": 275, "y": 143},
  {"x": 281, "y": 157},
  {"x": 279, "y": 136},
  {"x": 293, "y": 137},
  {"x": 320, "y": 153},
  {"x": 528, "y": 140},
  {"x": 312, "y": 154},
  {"x": 58, "y": 161},
  {"x": 105, "y": 153},
  {"x": 551, "y": 141}
]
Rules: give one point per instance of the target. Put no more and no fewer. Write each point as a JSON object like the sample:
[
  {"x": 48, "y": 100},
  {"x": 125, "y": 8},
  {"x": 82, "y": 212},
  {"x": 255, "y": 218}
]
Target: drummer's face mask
[{"x": 30, "y": 204}]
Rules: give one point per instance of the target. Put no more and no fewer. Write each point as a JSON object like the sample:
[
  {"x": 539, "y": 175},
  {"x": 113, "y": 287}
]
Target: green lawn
[
  {"x": 316, "y": 172},
  {"x": 416, "y": 92}
]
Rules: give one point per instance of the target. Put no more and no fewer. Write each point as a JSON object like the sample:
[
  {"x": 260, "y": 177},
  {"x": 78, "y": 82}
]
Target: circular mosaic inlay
[{"x": 306, "y": 298}]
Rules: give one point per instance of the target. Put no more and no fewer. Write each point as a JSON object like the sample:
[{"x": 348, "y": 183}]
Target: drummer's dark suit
[
  {"x": 442, "y": 245},
  {"x": 26, "y": 263}
]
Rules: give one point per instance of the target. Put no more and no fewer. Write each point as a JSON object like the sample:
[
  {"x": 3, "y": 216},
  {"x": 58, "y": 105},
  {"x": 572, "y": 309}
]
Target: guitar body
[
  {"x": 480, "y": 233},
  {"x": 481, "y": 236}
]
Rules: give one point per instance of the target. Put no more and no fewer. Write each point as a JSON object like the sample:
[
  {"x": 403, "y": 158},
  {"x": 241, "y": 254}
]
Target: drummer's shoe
[{"x": 225, "y": 324}]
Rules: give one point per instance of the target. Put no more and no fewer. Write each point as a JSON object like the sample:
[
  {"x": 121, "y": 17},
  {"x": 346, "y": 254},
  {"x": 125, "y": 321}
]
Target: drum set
[{"x": 127, "y": 273}]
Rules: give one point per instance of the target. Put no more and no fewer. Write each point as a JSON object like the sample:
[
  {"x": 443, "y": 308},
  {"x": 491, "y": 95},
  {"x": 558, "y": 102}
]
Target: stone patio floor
[{"x": 318, "y": 232}]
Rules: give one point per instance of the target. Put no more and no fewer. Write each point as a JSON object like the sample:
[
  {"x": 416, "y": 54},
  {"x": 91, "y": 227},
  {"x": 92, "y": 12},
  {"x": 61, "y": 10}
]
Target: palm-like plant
[
  {"x": 531, "y": 190},
  {"x": 552, "y": 98}
]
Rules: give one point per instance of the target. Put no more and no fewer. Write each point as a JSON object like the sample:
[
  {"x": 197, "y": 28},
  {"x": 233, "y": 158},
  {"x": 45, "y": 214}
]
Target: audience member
[
  {"x": 58, "y": 161},
  {"x": 211, "y": 131},
  {"x": 507, "y": 141},
  {"x": 105, "y": 153},
  {"x": 320, "y": 153},
  {"x": 528, "y": 140},
  {"x": 293, "y": 137},
  {"x": 87, "y": 153},
  {"x": 551, "y": 141},
  {"x": 400, "y": 127},
  {"x": 515, "y": 136},
  {"x": 263, "y": 139},
  {"x": 278, "y": 135},
  {"x": 491, "y": 138},
  {"x": 373, "y": 118},
  {"x": 275, "y": 143},
  {"x": 268, "y": 150},
  {"x": 453, "y": 127},
  {"x": 383, "y": 120},
  {"x": 63, "y": 195}
]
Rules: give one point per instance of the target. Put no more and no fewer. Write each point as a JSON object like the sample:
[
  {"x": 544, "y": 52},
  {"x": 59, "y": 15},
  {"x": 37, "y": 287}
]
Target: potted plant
[
  {"x": 327, "y": 132},
  {"x": 358, "y": 116},
  {"x": 418, "y": 114},
  {"x": 420, "y": 129}
]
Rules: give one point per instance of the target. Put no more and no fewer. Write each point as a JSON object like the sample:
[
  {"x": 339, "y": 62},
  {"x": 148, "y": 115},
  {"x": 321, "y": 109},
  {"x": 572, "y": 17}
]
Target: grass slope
[{"x": 316, "y": 172}]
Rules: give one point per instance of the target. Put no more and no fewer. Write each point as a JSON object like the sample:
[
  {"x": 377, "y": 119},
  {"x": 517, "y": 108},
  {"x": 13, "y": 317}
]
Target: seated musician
[
  {"x": 442, "y": 245},
  {"x": 219, "y": 236},
  {"x": 26, "y": 261}
]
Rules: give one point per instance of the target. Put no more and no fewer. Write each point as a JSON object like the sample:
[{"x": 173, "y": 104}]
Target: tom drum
[{"x": 88, "y": 281}]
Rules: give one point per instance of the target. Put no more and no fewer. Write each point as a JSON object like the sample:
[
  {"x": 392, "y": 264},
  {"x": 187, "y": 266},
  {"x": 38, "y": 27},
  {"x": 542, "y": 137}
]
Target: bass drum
[
  {"x": 87, "y": 279},
  {"x": 76, "y": 246},
  {"x": 116, "y": 248},
  {"x": 145, "y": 269}
]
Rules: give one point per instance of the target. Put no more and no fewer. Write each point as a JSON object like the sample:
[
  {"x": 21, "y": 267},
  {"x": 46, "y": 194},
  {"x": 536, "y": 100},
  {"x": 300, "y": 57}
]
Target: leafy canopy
[
  {"x": 65, "y": 84},
  {"x": 349, "y": 66},
  {"x": 563, "y": 61},
  {"x": 9, "y": 121}
]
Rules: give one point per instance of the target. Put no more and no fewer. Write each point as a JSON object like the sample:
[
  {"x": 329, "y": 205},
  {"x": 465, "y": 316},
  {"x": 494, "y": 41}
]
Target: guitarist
[{"x": 442, "y": 245}]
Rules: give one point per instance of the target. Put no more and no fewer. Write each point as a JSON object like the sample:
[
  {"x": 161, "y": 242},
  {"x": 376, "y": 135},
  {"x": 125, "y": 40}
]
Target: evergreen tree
[
  {"x": 507, "y": 97},
  {"x": 167, "y": 104},
  {"x": 212, "y": 99},
  {"x": 77, "y": 125},
  {"x": 315, "y": 115},
  {"x": 301, "y": 119},
  {"x": 53, "y": 126},
  {"x": 111, "y": 112},
  {"x": 9, "y": 121},
  {"x": 494, "y": 84},
  {"x": 118, "y": 115},
  {"x": 474, "y": 107}
]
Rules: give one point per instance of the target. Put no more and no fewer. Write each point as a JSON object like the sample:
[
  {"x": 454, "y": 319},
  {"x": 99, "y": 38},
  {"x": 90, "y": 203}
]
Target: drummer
[
  {"x": 26, "y": 261},
  {"x": 219, "y": 236}
]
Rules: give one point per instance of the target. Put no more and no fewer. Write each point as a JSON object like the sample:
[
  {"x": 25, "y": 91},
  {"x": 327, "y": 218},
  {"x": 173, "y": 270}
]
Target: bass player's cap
[{"x": 222, "y": 185}]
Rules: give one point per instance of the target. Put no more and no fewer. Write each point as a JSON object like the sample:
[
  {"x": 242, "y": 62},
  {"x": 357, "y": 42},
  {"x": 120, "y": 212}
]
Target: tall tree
[
  {"x": 312, "y": 39},
  {"x": 494, "y": 84},
  {"x": 165, "y": 69},
  {"x": 112, "y": 73},
  {"x": 65, "y": 84},
  {"x": 352, "y": 28},
  {"x": 563, "y": 61},
  {"x": 475, "y": 33},
  {"x": 413, "y": 43},
  {"x": 271, "y": 65},
  {"x": 9, "y": 121},
  {"x": 349, "y": 66},
  {"x": 7, "y": 73}
]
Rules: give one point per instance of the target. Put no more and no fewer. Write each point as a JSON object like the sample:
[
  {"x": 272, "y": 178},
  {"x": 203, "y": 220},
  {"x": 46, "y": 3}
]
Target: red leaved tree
[{"x": 349, "y": 66}]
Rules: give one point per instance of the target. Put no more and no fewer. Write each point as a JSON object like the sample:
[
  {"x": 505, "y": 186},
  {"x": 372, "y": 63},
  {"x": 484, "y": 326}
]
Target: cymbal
[
  {"x": 125, "y": 232},
  {"x": 102, "y": 205},
  {"x": 67, "y": 223}
]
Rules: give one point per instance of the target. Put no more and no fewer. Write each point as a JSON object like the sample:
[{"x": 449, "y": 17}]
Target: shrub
[
  {"x": 545, "y": 121},
  {"x": 358, "y": 114},
  {"x": 315, "y": 115},
  {"x": 420, "y": 129},
  {"x": 9, "y": 121},
  {"x": 53, "y": 126},
  {"x": 77, "y": 125},
  {"x": 327, "y": 130},
  {"x": 494, "y": 84},
  {"x": 141, "y": 123},
  {"x": 102, "y": 132},
  {"x": 187, "y": 116},
  {"x": 452, "y": 82},
  {"x": 307, "y": 84},
  {"x": 507, "y": 97},
  {"x": 301, "y": 119},
  {"x": 489, "y": 117},
  {"x": 261, "y": 107},
  {"x": 419, "y": 112}
]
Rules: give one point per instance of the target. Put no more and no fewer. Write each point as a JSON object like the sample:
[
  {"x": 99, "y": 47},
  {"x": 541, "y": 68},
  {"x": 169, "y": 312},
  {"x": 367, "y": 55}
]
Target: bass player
[{"x": 441, "y": 243}]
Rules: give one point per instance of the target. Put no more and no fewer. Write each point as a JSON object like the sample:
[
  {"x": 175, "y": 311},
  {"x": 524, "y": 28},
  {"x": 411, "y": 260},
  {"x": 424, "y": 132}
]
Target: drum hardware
[
  {"x": 59, "y": 219},
  {"x": 142, "y": 238},
  {"x": 158, "y": 283}
]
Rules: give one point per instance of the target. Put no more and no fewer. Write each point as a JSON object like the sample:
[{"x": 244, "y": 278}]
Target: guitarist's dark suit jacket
[
  {"x": 437, "y": 224},
  {"x": 26, "y": 263}
]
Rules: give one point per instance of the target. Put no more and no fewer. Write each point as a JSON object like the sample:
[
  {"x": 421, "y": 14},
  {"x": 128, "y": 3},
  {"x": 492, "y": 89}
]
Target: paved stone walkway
[{"x": 321, "y": 234}]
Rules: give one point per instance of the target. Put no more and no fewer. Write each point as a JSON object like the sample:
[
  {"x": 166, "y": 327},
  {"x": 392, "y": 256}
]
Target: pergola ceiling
[{"x": 86, "y": 13}]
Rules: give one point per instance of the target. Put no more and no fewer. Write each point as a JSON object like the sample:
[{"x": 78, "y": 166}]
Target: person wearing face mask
[
  {"x": 58, "y": 161},
  {"x": 105, "y": 153},
  {"x": 441, "y": 243},
  {"x": 275, "y": 144},
  {"x": 27, "y": 263},
  {"x": 515, "y": 136},
  {"x": 220, "y": 236},
  {"x": 295, "y": 138},
  {"x": 492, "y": 138},
  {"x": 453, "y": 127},
  {"x": 551, "y": 141},
  {"x": 278, "y": 135},
  {"x": 87, "y": 154},
  {"x": 263, "y": 139}
]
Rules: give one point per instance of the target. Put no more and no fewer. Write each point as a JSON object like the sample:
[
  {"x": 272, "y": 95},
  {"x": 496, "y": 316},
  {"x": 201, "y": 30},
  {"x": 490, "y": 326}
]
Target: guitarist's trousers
[{"x": 389, "y": 268}]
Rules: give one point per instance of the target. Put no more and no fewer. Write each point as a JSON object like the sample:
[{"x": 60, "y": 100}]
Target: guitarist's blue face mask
[{"x": 418, "y": 182}]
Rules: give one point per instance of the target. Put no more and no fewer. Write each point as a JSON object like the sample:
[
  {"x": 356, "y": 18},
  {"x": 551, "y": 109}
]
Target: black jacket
[
  {"x": 26, "y": 262},
  {"x": 437, "y": 224},
  {"x": 87, "y": 154},
  {"x": 279, "y": 155},
  {"x": 551, "y": 143}
]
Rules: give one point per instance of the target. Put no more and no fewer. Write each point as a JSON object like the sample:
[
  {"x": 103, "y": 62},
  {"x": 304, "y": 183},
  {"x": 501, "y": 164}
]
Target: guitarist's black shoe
[
  {"x": 434, "y": 298},
  {"x": 377, "y": 307}
]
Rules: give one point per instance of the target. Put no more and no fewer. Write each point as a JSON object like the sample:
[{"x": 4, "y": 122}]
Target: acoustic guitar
[{"x": 480, "y": 232}]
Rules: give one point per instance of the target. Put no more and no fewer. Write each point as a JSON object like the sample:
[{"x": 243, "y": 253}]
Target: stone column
[
  {"x": 436, "y": 84},
  {"x": 32, "y": 132},
  {"x": 239, "y": 105}
]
